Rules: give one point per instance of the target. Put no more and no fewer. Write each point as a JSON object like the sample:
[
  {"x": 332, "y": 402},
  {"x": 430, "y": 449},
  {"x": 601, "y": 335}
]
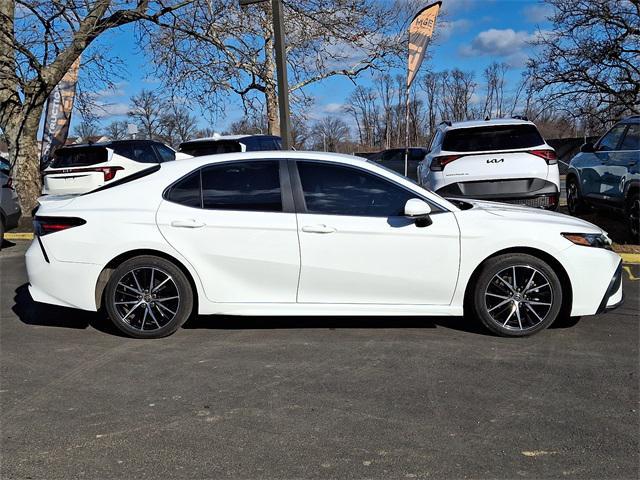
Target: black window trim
[
  {"x": 286, "y": 194},
  {"x": 301, "y": 204}
]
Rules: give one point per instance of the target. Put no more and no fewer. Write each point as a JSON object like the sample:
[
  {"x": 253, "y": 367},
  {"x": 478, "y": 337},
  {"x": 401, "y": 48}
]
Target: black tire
[
  {"x": 575, "y": 203},
  {"x": 633, "y": 216},
  {"x": 526, "y": 312},
  {"x": 148, "y": 297}
]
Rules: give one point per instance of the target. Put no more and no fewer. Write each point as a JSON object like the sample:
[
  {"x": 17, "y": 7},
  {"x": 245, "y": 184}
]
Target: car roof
[
  {"x": 485, "y": 123},
  {"x": 631, "y": 119},
  {"x": 110, "y": 143},
  {"x": 216, "y": 138}
]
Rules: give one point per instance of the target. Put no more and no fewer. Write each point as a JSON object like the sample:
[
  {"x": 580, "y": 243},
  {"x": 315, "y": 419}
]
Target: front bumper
[
  {"x": 614, "y": 296},
  {"x": 534, "y": 192}
]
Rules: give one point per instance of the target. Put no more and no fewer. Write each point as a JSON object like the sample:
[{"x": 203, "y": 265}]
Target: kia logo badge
[{"x": 496, "y": 160}]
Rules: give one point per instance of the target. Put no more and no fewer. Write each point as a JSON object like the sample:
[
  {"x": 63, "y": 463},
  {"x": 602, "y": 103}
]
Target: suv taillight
[
  {"x": 9, "y": 183},
  {"x": 108, "y": 172},
  {"x": 46, "y": 225},
  {"x": 438, "y": 163},
  {"x": 549, "y": 155}
]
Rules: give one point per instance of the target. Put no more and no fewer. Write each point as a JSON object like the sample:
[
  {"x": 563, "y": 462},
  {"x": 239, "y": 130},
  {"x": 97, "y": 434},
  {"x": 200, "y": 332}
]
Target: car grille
[{"x": 538, "y": 202}]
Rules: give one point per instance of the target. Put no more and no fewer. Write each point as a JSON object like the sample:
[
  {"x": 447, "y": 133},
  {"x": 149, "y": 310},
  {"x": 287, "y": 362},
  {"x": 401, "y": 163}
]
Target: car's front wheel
[
  {"x": 633, "y": 216},
  {"x": 517, "y": 295},
  {"x": 148, "y": 297}
]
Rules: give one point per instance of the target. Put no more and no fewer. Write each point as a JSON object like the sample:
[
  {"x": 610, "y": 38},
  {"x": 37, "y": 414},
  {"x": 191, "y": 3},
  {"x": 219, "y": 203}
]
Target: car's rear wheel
[
  {"x": 517, "y": 295},
  {"x": 633, "y": 216},
  {"x": 575, "y": 204},
  {"x": 148, "y": 297}
]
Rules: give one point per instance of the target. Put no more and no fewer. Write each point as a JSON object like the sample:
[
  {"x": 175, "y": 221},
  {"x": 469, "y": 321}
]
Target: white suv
[{"x": 504, "y": 160}]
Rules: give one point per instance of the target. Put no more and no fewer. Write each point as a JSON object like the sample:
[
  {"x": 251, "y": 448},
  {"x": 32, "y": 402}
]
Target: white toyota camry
[{"x": 301, "y": 233}]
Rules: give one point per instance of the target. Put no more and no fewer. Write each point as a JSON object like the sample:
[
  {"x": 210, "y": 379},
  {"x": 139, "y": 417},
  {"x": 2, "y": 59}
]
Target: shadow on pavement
[
  {"x": 31, "y": 312},
  {"x": 34, "y": 313}
]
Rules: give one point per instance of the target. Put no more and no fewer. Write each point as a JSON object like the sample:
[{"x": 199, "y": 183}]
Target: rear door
[
  {"x": 236, "y": 225},
  {"x": 622, "y": 163},
  {"x": 494, "y": 152},
  {"x": 357, "y": 247}
]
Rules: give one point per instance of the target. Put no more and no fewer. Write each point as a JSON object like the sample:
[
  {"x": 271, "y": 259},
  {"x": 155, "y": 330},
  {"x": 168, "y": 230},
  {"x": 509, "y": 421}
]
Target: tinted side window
[
  {"x": 187, "y": 191},
  {"x": 339, "y": 190},
  {"x": 253, "y": 186},
  {"x": 144, "y": 153},
  {"x": 611, "y": 140},
  {"x": 632, "y": 138},
  {"x": 166, "y": 154}
]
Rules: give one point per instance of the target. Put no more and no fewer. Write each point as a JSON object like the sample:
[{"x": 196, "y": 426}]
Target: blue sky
[{"x": 472, "y": 34}]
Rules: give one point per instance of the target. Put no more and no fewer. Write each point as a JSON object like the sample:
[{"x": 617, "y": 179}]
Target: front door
[
  {"x": 357, "y": 247},
  {"x": 228, "y": 220}
]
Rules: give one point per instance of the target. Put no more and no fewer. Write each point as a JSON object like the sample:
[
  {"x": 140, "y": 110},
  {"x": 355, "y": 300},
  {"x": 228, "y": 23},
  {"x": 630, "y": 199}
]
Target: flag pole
[{"x": 406, "y": 129}]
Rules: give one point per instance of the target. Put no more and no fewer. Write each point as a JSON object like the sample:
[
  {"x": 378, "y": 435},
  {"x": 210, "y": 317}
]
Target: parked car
[
  {"x": 81, "y": 168},
  {"x": 312, "y": 234},
  {"x": 607, "y": 174},
  {"x": 9, "y": 206},
  {"x": 504, "y": 160},
  {"x": 5, "y": 166},
  {"x": 230, "y": 144},
  {"x": 394, "y": 159}
]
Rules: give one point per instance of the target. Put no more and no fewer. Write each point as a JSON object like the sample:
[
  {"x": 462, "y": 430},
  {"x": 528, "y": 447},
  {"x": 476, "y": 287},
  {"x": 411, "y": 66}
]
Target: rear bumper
[
  {"x": 67, "y": 284},
  {"x": 535, "y": 192},
  {"x": 12, "y": 220},
  {"x": 614, "y": 296}
]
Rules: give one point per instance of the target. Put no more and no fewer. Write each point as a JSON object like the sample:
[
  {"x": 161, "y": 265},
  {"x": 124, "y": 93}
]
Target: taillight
[
  {"x": 9, "y": 184},
  {"x": 108, "y": 172},
  {"x": 549, "y": 155},
  {"x": 46, "y": 225},
  {"x": 438, "y": 163}
]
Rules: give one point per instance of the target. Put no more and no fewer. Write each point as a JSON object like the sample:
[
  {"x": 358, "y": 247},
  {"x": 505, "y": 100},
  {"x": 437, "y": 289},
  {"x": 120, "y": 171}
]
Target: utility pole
[{"x": 281, "y": 68}]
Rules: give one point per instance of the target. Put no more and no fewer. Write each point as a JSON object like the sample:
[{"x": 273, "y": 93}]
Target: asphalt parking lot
[{"x": 314, "y": 398}]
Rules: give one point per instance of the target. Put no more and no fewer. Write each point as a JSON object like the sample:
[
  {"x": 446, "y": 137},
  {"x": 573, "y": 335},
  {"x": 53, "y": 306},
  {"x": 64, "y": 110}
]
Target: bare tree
[
  {"x": 86, "y": 129},
  {"x": 177, "y": 125},
  {"x": 330, "y": 133},
  {"x": 117, "y": 130},
  {"x": 146, "y": 110},
  {"x": 39, "y": 42},
  {"x": 494, "y": 76},
  {"x": 235, "y": 48},
  {"x": 588, "y": 63}
]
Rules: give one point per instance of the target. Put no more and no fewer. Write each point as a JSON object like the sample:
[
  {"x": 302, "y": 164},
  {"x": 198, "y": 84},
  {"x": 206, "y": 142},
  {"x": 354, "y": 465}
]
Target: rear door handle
[
  {"x": 318, "y": 229},
  {"x": 190, "y": 223}
]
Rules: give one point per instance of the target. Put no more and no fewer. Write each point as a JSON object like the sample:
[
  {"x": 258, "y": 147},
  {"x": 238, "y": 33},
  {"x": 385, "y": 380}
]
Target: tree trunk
[
  {"x": 273, "y": 117},
  {"x": 24, "y": 155}
]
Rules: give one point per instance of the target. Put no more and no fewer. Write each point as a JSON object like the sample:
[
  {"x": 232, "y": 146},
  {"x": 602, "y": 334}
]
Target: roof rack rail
[
  {"x": 446, "y": 122},
  {"x": 521, "y": 117}
]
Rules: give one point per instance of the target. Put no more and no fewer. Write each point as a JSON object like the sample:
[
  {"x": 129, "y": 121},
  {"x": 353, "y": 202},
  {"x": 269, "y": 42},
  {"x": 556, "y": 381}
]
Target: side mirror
[
  {"x": 418, "y": 210},
  {"x": 587, "y": 148}
]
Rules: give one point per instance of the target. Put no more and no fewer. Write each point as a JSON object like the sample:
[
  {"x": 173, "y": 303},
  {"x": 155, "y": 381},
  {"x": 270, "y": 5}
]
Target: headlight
[{"x": 597, "y": 240}]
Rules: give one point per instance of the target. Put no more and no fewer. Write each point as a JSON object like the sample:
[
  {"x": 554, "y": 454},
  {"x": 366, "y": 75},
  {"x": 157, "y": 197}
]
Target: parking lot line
[{"x": 18, "y": 236}]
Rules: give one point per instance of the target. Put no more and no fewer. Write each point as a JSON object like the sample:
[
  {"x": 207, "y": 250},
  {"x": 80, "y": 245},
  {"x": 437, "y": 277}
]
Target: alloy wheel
[
  {"x": 519, "y": 297},
  {"x": 572, "y": 197},
  {"x": 146, "y": 298},
  {"x": 634, "y": 219}
]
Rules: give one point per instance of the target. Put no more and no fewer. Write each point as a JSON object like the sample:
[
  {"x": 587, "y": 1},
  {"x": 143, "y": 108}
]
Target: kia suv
[
  {"x": 79, "y": 169},
  {"x": 607, "y": 174},
  {"x": 504, "y": 160}
]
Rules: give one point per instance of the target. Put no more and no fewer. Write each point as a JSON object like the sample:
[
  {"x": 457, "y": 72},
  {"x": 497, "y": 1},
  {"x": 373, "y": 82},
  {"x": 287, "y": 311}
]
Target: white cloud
[
  {"x": 446, "y": 29},
  {"x": 537, "y": 13},
  {"x": 333, "y": 107},
  {"x": 497, "y": 42},
  {"x": 106, "y": 110}
]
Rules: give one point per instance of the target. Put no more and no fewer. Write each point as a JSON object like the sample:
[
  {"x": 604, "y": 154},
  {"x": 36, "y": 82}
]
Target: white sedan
[{"x": 301, "y": 233}]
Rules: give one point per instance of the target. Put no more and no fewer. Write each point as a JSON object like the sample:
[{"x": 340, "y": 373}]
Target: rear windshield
[
  {"x": 79, "y": 157},
  {"x": 497, "y": 137},
  {"x": 198, "y": 149}
]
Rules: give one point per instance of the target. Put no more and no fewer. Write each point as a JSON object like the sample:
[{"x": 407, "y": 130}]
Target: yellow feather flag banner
[{"x": 420, "y": 32}]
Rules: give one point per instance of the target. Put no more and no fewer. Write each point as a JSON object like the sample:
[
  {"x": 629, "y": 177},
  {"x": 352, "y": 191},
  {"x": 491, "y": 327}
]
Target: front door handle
[
  {"x": 318, "y": 229},
  {"x": 190, "y": 223}
]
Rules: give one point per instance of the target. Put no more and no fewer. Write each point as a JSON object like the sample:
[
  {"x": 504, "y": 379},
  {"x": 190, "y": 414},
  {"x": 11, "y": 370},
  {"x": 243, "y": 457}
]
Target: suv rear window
[
  {"x": 495, "y": 137},
  {"x": 79, "y": 157},
  {"x": 198, "y": 149}
]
